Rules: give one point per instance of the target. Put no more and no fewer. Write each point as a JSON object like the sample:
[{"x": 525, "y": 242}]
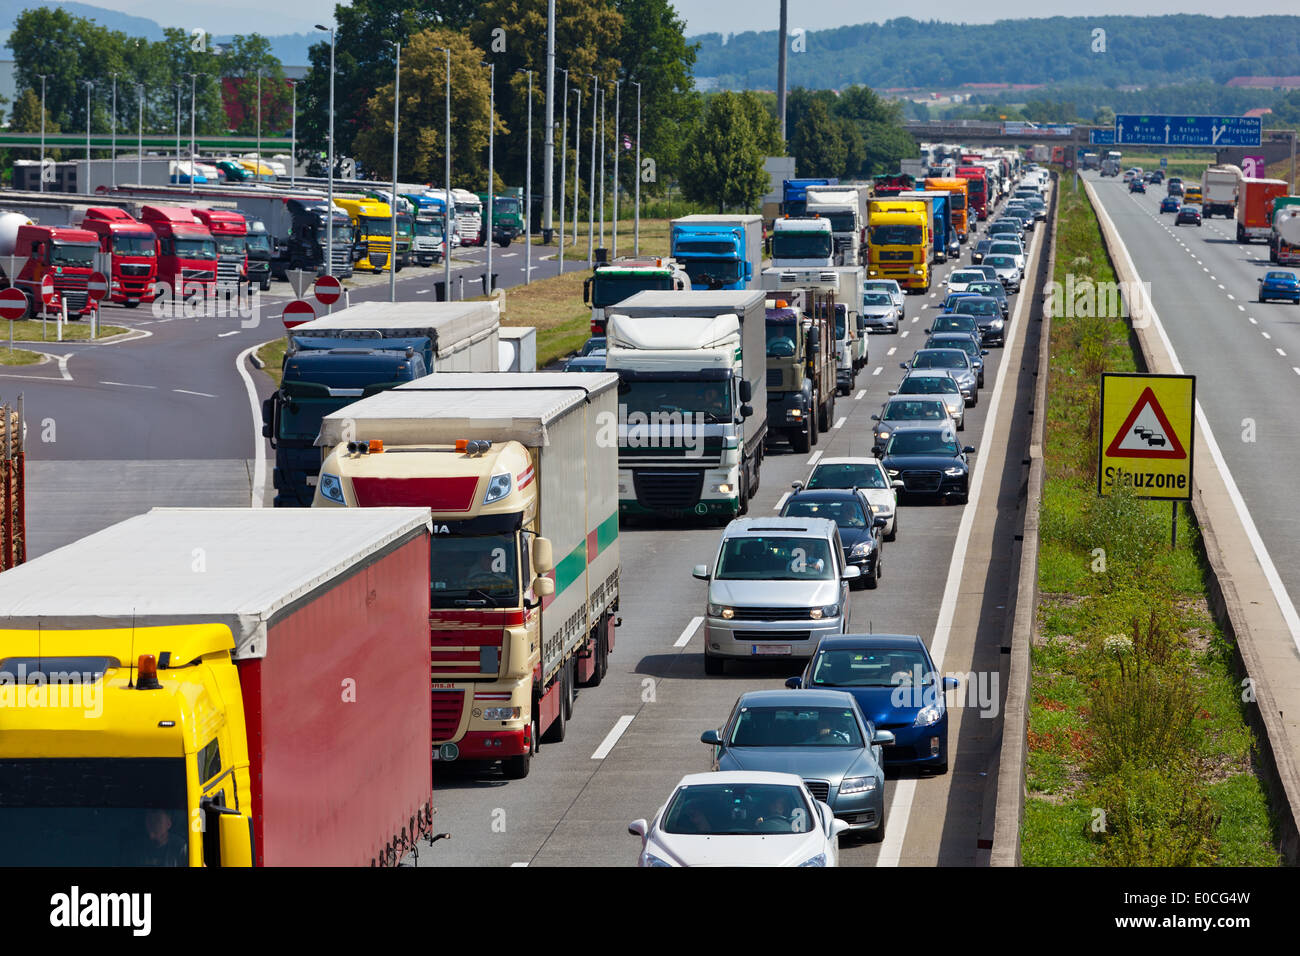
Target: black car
[
  {"x": 954, "y": 322},
  {"x": 994, "y": 290},
  {"x": 929, "y": 461},
  {"x": 986, "y": 312},
  {"x": 860, "y": 528},
  {"x": 978, "y": 251},
  {"x": 1188, "y": 214},
  {"x": 1136, "y": 185},
  {"x": 964, "y": 341}
]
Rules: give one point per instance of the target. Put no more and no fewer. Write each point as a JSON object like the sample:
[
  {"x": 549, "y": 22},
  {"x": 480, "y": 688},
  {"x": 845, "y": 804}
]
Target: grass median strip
[
  {"x": 30, "y": 330},
  {"x": 10, "y": 356},
  {"x": 1139, "y": 753}
]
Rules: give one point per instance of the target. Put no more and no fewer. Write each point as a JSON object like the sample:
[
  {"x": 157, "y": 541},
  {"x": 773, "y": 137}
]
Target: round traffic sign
[
  {"x": 97, "y": 286},
  {"x": 297, "y": 312},
  {"x": 13, "y": 304},
  {"x": 47, "y": 289},
  {"x": 328, "y": 289}
]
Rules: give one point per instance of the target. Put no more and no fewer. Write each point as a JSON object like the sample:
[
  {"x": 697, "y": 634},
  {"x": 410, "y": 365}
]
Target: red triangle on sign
[{"x": 1129, "y": 442}]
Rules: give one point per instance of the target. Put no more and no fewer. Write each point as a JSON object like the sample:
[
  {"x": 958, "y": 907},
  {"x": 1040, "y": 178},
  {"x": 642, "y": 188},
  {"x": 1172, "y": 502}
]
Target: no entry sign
[
  {"x": 97, "y": 286},
  {"x": 47, "y": 289},
  {"x": 328, "y": 290},
  {"x": 13, "y": 304},
  {"x": 297, "y": 312}
]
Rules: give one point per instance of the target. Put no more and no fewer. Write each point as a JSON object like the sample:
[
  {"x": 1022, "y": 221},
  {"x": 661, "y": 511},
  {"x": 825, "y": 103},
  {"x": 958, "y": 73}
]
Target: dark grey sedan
[{"x": 822, "y": 736}]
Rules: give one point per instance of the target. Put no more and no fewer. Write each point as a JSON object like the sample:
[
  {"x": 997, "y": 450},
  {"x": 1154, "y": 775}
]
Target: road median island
[{"x": 1137, "y": 749}]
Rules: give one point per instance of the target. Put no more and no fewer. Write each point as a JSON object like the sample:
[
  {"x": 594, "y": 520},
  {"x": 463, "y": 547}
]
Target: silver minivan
[{"x": 776, "y": 587}]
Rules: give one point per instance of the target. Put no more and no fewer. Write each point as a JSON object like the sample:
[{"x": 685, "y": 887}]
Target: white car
[
  {"x": 887, "y": 285},
  {"x": 959, "y": 279},
  {"x": 740, "y": 818},
  {"x": 868, "y": 476}
]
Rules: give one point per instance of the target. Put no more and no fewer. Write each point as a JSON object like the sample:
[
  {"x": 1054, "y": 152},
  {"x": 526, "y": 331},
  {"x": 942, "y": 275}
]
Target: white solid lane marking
[
  {"x": 816, "y": 457},
  {"x": 900, "y": 808},
  {"x": 185, "y": 391},
  {"x": 858, "y": 397},
  {"x": 127, "y": 385},
  {"x": 611, "y": 738},
  {"x": 259, "y": 445},
  {"x": 689, "y": 632},
  {"x": 839, "y": 422},
  {"x": 522, "y": 863},
  {"x": 780, "y": 502},
  {"x": 63, "y": 367},
  {"x": 223, "y": 335}
]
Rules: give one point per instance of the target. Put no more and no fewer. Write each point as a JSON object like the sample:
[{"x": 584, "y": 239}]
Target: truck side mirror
[
  {"x": 227, "y": 836},
  {"x": 586, "y": 291},
  {"x": 746, "y": 411},
  {"x": 543, "y": 559},
  {"x": 543, "y": 586},
  {"x": 815, "y": 338},
  {"x": 746, "y": 391}
]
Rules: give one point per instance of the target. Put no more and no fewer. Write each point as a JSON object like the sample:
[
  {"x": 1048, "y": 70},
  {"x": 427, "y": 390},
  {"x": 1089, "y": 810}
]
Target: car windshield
[
  {"x": 795, "y": 727},
  {"x": 594, "y": 362},
  {"x": 988, "y": 288},
  {"x": 776, "y": 558},
  {"x": 913, "y": 411},
  {"x": 1279, "y": 277},
  {"x": 742, "y": 809},
  {"x": 895, "y": 235},
  {"x": 885, "y": 667},
  {"x": 94, "y": 811},
  {"x": 966, "y": 277},
  {"x": 654, "y": 402},
  {"x": 473, "y": 571},
  {"x": 877, "y": 298},
  {"x": 888, "y": 287},
  {"x": 928, "y": 385},
  {"x": 923, "y": 442},
  {"x": 1001, "y": 262},
  {"x": 848, "y": 475},
  {"x": 982, "y": 245},
  {"x": 68, "y": 254},
  {"x": 967, "y": 345},
  {"x": 145, "y": 246},
  {"x": 978, "y": 307},
  {"x": 593, "y": 343},
  {"x": 1006, "y": 248},
  {"x": 847, "y": 513},
  {"x": 939, "y": 358}
]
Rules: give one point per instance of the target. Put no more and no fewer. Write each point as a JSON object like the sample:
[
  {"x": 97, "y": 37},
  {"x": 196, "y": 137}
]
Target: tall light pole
[
  {"x": 193, "y": 168},
  {"x": 179, "y": 88},
  {"x": 577, "y": 157},
  {"x": 492, "y": 115},
  {"x": 139, "y": 134},
  {"x": 113, "y": 126},
  {"x": 293, "y": 134},
  {"x": 636, "y": 229},
  {"x": 591, "y": 178},
  {"x": 528, "y": 185},
  {"x": 618, "y": 147},
  {"x": 44, "y": 77},
  {"x": 329, "y": 221},
  {"x": 446, "y": 206},
  {"x": 90, "y": 85},
  {"x": 392, "y": 249},
  {"x": 603, "y": 97},
  {"x": 548, "y": 144},
  {"x": 780, "y": 69},
  {"x": 564, "y": 155},
  {"x": 259, "y": 125}
]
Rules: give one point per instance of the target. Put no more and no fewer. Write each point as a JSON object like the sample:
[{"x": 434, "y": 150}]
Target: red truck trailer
[
  {"x": 187, "y": 255},
  {"x": 254, "y": 691},
  {"x": 1255, "y": 207},
  {"x": 128, "y": 254}
]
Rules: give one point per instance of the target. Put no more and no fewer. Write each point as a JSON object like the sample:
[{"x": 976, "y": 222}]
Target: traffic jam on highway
[{"x": 495, "y": 524}]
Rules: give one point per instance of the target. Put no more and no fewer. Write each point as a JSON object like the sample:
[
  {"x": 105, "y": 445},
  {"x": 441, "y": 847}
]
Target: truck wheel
[
  {"x": 504, "y": 243},
  {"x": 813, "y": 415},
  {"x": 266, "y": 284},
  {"x": 713, "y": 666},
  {"x": 825, "y": 411},
  {"x": 559, "y": 727},
  {"x": 601, "y": 652},
  {"x": 571, "y": 690},
  {"x": 131, "y": 303},
  {"x": 801, "y": 440},
  {"x": 743, "y": 508}
]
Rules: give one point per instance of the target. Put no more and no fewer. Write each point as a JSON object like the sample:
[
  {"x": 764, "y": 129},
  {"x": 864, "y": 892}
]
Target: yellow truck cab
[
  {"x": 900, "y": 243},
  {"x": 372, "y": 222}
]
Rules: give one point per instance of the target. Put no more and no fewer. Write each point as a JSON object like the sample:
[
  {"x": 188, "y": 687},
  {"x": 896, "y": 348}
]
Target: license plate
[{"x": 778, "y": 649}]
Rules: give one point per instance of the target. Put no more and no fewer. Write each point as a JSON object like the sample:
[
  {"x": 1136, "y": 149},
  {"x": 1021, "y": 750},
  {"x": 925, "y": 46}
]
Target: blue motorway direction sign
[
  {"x": 1101, "y": 137},
  {"x": 1133, "y": 128}
]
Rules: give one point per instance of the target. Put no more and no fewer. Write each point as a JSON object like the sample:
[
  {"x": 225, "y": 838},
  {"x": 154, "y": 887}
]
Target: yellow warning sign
[{"x": 1145, "y": 440}]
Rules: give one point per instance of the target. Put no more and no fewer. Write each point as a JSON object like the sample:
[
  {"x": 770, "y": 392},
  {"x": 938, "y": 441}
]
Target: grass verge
[
  {"x": 29, "y": 330},
  {"x": 10, "y": 356},
  {"x": 1139, "y": 753}
]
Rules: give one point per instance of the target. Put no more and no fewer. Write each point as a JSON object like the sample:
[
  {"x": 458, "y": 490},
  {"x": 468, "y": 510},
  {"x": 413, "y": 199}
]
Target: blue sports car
[
  {"x": 893, "y": 680},
  {"x": 951, "y": 298},
  {"x": 1279, "y": 285},
  {"x": 1170, "y": 204}
]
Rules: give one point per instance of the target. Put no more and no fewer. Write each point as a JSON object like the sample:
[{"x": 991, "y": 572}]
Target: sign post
[
  {"x": 1146, "y": 437},
  {"x": 96, "y": 288}
]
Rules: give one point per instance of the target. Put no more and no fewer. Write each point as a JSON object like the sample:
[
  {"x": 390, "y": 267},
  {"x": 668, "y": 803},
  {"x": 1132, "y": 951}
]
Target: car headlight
[
  {"x": 498, "y": 487},
  {"x": 857, "y": 785},
  {"x": 882, "y": 434},
  {"x": 795, "y": 413},
  {"x": 861, "y": 549},
  {"x": 722, "y": 611},
  {"x": 500, "y": 713},
  {"x": 649, "y": 859},
  {"x": 995, "y": 324},
  {"x": 829, "y": 610},
  {"x": 331, "y": 487},
  {"x": 928, "y": 715},
  {"x": 955, "y": 471},
  {"x": 818, "y": 860}
]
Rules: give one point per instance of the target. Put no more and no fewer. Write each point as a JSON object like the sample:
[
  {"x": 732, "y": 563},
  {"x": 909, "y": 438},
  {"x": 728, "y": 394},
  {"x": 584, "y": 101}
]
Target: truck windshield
[
  {"x": 896, "y": 235},
  {"x": 474, "y": 571},
  {"x": 94, "y": 811},
  {"x": 375, "y": 226},
  {"x": 195, "y": 248},
  {"x": 230, "y": 245},
  {"x": 607, "y": 290},
  {"x": 428, "y": 227},
  {"x": 659, "y": 400},
  {"x": 300, "y": 418},
  {"x": 841, "y": 221},
  {"x": 67, "y": 254},
  {"x": 507, "y": 206},
  {"x": 258, "y": 242},
  {"x": 468, "y": 209},
  {"x": 712, "y": 273},
  {"x": 782, "y": 334},
  {"x": 405, "y": 226},
  {"x": 801, "y": 245},
  {"x": 135, "y": 245}
]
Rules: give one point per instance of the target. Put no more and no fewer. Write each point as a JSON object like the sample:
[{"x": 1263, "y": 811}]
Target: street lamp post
[
  {"x": 44, "y": 77},
  {"x": 564, "y": 153},
  {"x": 179, "y": 88},
  {"x": 618, "y": 147},
  {"x": 90, "y": 85},
  {"x": 446, "y": 205},
  {"x": 258, "y": 154},
  {"x": 487, "y": 229},
  {"x": 113, "y": 126},
  {"x": 528, "y": 187},
  {"x": 577, "y": 158},
  {"x": 329, "y": 221},
  {"x": 139, "y": 134},
  {"x": 591, "y": 178},
  {"x": 293, "y": 135},
  {"x": 636, "y": 229},
  {"x": 193, "y": 169},
  {"x": 548, "y": 144},
  {"x": 603, "y": 97},
  {"x": 392, "y": 249}
]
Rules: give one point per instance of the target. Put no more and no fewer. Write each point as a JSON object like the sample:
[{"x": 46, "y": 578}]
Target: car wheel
[
  {"x": 893, "y": 528},
  {"x": 961, "y": 424},
  {"x": 713, "y": 666},
  {"x": 873, "y": 582},
  {"x": 1262, "y": 300},
  {"x": 975, "y": 398},
  {"x": 939, "y": 769}
]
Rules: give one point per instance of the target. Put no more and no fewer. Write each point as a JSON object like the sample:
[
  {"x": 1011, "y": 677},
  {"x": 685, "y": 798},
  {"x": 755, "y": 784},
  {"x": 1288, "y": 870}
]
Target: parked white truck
[
  {"x": 1219, "y": 186},
  {"x": 692, "y": 370},
  {"x": 845, "y": 205},
  {"x": 522, "y": 486}
]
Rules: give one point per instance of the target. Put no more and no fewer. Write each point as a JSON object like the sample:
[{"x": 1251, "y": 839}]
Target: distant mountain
[
  {"x": 907, "y": 53},
  {"x": 291, "y": 48}
]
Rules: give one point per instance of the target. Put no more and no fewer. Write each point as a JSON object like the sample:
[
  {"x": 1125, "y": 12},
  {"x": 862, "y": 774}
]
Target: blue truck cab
[
  {"x": 719, "y": 252},
  {"x": 794, "y": 195}
]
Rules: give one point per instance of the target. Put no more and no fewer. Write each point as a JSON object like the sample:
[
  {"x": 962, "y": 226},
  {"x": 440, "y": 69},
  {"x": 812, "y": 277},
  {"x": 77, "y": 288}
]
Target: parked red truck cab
[
  {"x": 187, "y": 255},
  {"x": 128, "y": 254},
  {"x": 66, "y": 253},
  {"x": 229, "y": 231}
]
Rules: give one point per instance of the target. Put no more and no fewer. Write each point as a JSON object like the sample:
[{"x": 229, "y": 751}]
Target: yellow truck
[
  {"x": 224, "y": 687},
  {"x": 520, "y": 473},
  {"x": 372, "y": 222},
  {"x": 900, "y": 243}
]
